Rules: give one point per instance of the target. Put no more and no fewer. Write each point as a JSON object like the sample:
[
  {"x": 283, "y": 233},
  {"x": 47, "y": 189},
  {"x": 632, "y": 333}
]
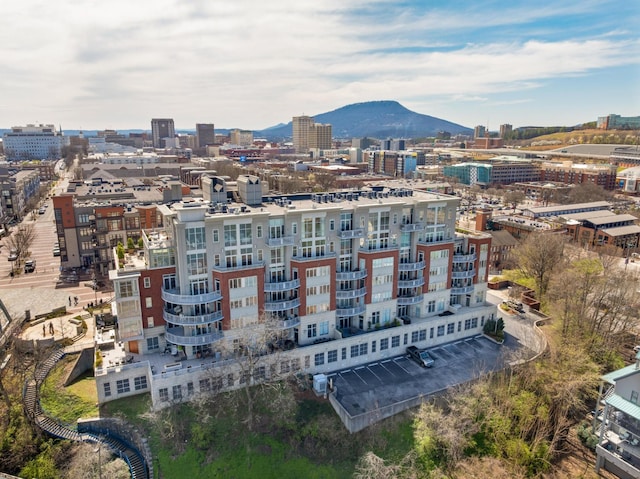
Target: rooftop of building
[{"x": 560, "y": 208}]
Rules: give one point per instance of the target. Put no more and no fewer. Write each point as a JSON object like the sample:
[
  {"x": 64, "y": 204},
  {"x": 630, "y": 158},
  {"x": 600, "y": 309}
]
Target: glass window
[
  {"x": 384, "y": 344},
  {"x": 319, "y": 359},
  {"x": 332, "y": 356},
  {"x": 122, "y": 386},
  {"x": 395, "y": 341},
  {"x": 107, "y": 389},
  {"x": 152, "y": 344},
  {"x": 164, "y": 394},
  {"x": 177, "y": 392},
  {"x": 140, "y": 383}
]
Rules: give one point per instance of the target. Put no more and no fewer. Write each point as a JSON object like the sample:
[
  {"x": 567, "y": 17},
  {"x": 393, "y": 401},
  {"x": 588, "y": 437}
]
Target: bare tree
[
  {"x": 22, "y": 239},
  {"x": 514, "y": 198},
  {"x": 538, "y": 256}
]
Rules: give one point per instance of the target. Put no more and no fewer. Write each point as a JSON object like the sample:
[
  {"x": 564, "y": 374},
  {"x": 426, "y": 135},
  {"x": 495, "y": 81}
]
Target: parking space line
[{"x": 360, "y": 377}]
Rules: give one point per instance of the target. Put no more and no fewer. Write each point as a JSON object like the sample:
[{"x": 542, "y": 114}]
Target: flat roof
[
  {"x": 588, "y": 215},
  {"x": 560, "y": 208},
  {"x": 603, "y": 220},
  {"x": 622, "y": 230}
]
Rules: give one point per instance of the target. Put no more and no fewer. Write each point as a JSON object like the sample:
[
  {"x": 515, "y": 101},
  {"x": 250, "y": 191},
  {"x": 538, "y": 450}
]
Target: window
[
  {"x": 189, "y": 389},
  {"x": 324, "y": 328},
  {"x": 363, "y": 349},
  {"x": 332, "y": 225},
  {"x": 311, "y": 330},
  {"x": 344, "y": 353},
  {"x": 148, "y": 302},
  {"x": 205, "y": 385},
  {"x": 451, "y": 328},
  {"x": 319, "y": 359},
  {"x": 122, "y": 386},
  {"x": 294, "y": 228},
  {"x": 384, "y": 344},
  {"x": 431, "y": 333},
  {"x": 107, "y": 389},
  {"x": 373, "y": 346},
  {"x": 414, "y": 337},
  {"x": 140, "y": 383},
  {"x": 441, "y": 330},
  {"x": 216, "y": 236},
  {"x": 423, "y": 334},
  {"x": 177, "y": 392},
  {"x": 431, "y": 306},
  {"x": 152, "y": 344},
  {"x": 634, "y": 397},
  {"x": 164, "y": 394},
  {"x": 126, "y": 289},
  {"x": 355, "y": 349},
  {"x": 467, "y": 324},
  {"x": 259, "y": 231},
  {"x": 332, "y": 356},
  {"x": 395, "y": 341},
  {"x": 147, "y": 282}
]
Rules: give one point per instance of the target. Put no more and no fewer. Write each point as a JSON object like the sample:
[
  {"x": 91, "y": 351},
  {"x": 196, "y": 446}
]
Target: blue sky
[{"x": 252, "y": 64}]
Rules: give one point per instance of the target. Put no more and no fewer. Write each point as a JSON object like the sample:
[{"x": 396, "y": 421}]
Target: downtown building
[
  {"x": 336, "y": 280},
  {"x": 33, "y": 142}
]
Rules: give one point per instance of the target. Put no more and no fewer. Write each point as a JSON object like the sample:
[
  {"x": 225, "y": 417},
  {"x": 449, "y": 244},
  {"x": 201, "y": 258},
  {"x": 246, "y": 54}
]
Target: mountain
[{"x": 377, "y": 119}]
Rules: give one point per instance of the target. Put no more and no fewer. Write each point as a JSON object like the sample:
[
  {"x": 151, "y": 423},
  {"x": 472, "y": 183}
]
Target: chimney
[{"x": 481, "y": 219}]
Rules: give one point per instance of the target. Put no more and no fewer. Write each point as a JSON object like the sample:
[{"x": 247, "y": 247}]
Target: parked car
[
  {"x": 41, "y": 211},
  {"x": 56, "y": 251},
  {"x": 423, "y": 358},
  {"x": 30, "y": 266},
  {"x": 13, "y": 254}
]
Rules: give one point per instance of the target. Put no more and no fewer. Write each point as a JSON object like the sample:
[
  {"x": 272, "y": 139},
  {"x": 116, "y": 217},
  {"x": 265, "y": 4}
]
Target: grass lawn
[
  {"x": 68, "y": 404},
  {"x": 314, "y": 445}
]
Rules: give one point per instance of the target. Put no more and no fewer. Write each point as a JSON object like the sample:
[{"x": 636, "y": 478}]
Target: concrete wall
[{"x": 83, "y": 363}]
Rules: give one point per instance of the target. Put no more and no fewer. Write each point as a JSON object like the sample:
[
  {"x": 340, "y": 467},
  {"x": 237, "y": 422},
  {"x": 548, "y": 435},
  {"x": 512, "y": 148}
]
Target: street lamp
[{"x": 98, "y": 449}]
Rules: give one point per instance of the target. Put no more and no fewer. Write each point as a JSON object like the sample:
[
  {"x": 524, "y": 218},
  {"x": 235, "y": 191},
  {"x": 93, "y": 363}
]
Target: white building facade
[
  {"x": 33, "y": 142},
  {"x": 335, "y": 280}
]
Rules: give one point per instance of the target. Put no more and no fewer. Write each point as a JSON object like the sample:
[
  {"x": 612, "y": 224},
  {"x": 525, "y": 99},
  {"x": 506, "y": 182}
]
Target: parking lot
[{"x": 379, "y": 384}]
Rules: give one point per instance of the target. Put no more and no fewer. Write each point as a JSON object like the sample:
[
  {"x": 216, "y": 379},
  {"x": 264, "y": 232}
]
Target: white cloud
[{"x": 253, "y": 64}]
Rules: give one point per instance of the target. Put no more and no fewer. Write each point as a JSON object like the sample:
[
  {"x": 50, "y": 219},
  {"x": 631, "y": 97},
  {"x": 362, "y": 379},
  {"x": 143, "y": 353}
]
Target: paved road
[{"x": 39, "y": 292}]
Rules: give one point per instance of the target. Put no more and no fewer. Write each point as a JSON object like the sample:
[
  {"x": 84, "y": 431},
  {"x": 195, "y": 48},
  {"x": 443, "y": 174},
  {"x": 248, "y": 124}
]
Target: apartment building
[
  {"x": 337, "y": 280},
  {"x": 33, "y": 142},
  {"x": 575, "y": 174},
  {"x": 617, "y": 422}
]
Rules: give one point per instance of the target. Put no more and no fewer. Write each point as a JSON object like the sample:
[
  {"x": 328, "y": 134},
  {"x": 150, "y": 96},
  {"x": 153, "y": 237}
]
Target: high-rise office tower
[
  {"x": 301, "y": 125},
  {"x": 205, "y": 135},
  {"x": 320, "y": 136},
  {"x": 162, "y": 128},
  {"x": 479, "y": 131}
]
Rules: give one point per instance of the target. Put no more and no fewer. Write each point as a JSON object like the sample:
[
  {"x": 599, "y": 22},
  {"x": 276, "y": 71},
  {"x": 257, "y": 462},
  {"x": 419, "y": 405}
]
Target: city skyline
[{"x": 253, "y": 65}]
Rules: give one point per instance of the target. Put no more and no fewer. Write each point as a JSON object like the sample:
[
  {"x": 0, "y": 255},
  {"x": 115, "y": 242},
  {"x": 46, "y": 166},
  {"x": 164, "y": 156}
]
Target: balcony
[
  {"x": 411, "y": 283},
  {"x": 462, "y": 290},
  {"x": 350, "y": 234},
  {"x": 411, "y": 227},
  {"x": 361, "y": 308},
  {"x": 351, "y": 275},
  {"x": 285, "y": 323},
  {"x": 314, "y": 258},
  {"x": 182, "y": 338},
  {"x": 238, "y": 267},
  {"x": 409, "y": 300},
  {"x": 184, "y": 320},
  {"x": 411, "y": 266},
  {"x": 464, "y": 258},
  {"x": 284, "y": 305},
  {"x": 282, "y": 286},
  {"x": 174, "y": 296},
  {"x": 281, "y": 241},
  {"x": 351, "y": 293},
  {"x": 464, "y": 274},
  {"x": 370, "y": 248}
]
